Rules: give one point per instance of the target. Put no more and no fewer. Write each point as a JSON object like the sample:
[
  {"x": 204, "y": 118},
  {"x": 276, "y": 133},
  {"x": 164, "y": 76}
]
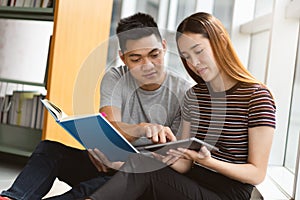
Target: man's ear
[
  {"x": 121, "y": 55},
  {"x": 164, "y": 44}
]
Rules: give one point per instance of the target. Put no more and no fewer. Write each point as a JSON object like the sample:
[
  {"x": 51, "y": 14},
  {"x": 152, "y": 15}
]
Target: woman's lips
[{"x": 201, "y": 71}]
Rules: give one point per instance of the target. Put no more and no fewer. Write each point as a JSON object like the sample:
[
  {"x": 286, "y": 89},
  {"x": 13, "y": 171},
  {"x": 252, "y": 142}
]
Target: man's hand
[
  {"x": 158, "y": 133},
  {"x": 101, "y": 162}
]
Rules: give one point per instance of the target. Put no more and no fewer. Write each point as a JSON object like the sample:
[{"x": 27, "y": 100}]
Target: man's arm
[{"x": 157, "y": 133}]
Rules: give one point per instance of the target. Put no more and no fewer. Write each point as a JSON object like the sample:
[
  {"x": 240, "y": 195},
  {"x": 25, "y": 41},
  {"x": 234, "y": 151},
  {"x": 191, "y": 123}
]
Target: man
[{"x": 142, "y": 100}]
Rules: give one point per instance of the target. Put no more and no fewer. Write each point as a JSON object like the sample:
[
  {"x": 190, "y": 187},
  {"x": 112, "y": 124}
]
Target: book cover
[{"x": 93, "y": 131}]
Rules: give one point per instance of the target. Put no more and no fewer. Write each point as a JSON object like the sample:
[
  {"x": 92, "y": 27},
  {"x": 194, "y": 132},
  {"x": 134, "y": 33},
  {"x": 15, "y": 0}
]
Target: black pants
[{"x": 145, "y": 178}]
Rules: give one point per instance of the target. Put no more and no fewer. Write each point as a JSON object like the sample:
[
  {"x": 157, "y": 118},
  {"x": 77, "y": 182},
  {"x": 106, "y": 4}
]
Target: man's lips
[{"x": 149, "y": 75}]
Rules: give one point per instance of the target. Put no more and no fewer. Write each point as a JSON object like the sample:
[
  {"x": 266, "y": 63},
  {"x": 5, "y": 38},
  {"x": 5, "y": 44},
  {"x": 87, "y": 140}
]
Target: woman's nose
[{"x": 195, "y": 62}]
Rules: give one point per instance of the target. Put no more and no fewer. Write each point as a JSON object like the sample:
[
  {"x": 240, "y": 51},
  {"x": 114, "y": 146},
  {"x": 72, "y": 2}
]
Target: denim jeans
[{"x": 52, "y": 160}]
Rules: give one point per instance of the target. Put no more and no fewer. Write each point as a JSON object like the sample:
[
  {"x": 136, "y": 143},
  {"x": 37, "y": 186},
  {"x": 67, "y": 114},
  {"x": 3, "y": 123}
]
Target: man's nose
[{"x": 147, "y": 64}]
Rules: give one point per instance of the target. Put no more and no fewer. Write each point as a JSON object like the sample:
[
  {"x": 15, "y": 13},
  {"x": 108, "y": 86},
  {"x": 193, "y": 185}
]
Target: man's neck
[{"x": 154, "y": 86}]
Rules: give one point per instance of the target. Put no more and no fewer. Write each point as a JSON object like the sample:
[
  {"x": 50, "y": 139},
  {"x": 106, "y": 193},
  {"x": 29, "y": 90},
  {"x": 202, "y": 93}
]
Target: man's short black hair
[{"x": 135, "y": 27}]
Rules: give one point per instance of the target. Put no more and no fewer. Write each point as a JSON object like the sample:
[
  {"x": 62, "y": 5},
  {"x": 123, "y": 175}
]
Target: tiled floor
[{"x": 9, "y": 170}]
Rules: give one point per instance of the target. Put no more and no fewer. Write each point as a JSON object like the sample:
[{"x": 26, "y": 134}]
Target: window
[{"x": 294, "y": 120}]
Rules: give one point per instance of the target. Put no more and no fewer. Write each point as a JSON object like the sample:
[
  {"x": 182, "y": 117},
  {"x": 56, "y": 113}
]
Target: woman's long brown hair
[{"x": 225, "y": 55}]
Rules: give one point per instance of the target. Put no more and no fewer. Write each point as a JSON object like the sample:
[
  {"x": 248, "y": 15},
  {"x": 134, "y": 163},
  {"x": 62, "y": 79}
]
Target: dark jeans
[
  {"x": 52, "y": 160},
  {"x": 164, "y": 183}
]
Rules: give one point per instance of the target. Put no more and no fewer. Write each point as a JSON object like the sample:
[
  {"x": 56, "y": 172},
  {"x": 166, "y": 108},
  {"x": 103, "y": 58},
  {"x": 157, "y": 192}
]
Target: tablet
[{"x": 189, "y": 143}]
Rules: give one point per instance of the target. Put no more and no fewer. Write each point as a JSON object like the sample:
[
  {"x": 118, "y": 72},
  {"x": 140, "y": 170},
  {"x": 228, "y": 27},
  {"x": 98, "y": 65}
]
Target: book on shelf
[
  {"x": 28, "y": 3},
  {"x": 6, "y": 108},
  {"x": 2, "y": 98},
  {"x": 21, "y": 100},
  {"x": 39, "y": 112},
  {"x": 19, "y": 3},
  {"x": 22, "y": 108},
  {"x": 37, "y": 3},
  {"x": 4, "y": 3}
]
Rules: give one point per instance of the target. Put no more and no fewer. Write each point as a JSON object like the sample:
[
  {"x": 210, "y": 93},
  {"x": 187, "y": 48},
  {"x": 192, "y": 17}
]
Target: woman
[{"x": 227, "y": 107}]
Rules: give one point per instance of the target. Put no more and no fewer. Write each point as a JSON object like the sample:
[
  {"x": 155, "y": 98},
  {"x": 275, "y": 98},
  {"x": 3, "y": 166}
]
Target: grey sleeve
[
  {"x": 110, "y": 90},
  {"x": 176, "y": 124}
]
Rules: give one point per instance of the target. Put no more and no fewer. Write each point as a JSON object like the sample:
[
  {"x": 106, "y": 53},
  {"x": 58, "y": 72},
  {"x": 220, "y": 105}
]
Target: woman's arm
[
  {"x": 254, "y": 171},
  {"x": 183, "y": 165}
]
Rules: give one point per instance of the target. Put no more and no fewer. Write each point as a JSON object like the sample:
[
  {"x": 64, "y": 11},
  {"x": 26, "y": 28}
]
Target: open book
[{"x": 93, "y": 131}]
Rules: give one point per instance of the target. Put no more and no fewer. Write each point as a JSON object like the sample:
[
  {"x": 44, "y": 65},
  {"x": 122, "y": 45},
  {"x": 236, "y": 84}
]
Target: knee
[{"x": 50, "y": 148}]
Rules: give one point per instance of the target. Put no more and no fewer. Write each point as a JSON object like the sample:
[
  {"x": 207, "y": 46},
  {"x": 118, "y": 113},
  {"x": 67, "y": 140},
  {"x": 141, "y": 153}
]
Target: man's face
[{"x": 145, "y": 59}]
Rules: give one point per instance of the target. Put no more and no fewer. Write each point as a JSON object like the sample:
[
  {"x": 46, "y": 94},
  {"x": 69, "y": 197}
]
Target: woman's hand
[
  {"x": 101, "y": 162},
  {"x": 188, "y": 154},
  {"x": 168, "y": 160}
]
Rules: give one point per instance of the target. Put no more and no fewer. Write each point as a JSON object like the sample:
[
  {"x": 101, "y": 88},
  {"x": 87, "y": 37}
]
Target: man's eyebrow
[
  {"x": 135, "y": 54},
  {"x": 153, "y": 50}
]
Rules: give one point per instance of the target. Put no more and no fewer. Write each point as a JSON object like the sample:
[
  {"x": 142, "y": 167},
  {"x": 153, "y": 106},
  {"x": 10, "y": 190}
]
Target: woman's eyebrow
[{"x": 196, "y": 45}]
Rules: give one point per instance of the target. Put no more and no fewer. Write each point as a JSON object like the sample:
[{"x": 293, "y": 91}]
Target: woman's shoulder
[{"x": 254, "y": 87}]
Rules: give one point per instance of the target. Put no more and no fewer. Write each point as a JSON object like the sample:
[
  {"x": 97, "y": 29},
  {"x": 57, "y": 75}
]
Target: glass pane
[
  {"x": 263, "y": 7},
  {"x": 294, "y": 122},
  {"x": 258, "y": 54},
  {"x": 223, "y": 10},
  {"x": 184, "y": 9},
  {"x": 148, "y": 6}
]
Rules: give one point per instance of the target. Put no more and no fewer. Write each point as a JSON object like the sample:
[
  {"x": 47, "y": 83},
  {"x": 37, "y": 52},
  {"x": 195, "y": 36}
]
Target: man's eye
[
  {"x": 135, "y": 60},
  {"x": 154, "y": 55}
]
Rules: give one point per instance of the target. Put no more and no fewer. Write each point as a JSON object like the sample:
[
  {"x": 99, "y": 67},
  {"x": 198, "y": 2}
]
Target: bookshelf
[
  {"x": 78, "y": 28},
  {"x": 20, "y": 140},
  {"x": 44, "y": 14}
]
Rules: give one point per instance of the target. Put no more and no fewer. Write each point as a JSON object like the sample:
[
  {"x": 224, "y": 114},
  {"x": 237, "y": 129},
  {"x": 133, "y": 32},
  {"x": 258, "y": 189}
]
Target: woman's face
[{"x": 197, "y": 52}]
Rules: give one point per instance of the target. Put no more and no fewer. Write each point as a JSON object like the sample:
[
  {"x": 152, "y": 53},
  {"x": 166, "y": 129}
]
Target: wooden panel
[{"x": 76, "y": 61}]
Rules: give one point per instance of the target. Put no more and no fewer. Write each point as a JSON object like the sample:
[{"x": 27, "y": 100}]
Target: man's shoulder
[
  {"x": 121, "y": 70},
  {"x": 117, "y": 73}
]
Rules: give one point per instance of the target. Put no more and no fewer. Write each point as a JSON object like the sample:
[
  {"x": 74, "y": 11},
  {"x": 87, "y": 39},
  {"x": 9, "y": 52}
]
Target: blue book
[{"x": 93, "y": 131}]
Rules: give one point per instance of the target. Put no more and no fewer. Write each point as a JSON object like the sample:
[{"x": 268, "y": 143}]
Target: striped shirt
[{"x": 223, "y": 118}]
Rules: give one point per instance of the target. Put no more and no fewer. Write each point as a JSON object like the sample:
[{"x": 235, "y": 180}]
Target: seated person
[
  {"x": 228, "y": 108},
  {"x": 142, "y": 100}
]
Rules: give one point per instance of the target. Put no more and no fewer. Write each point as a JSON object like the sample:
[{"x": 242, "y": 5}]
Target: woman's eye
[
  {"x": 186, "y": 57},
  {"x": 198, "y": 52}
]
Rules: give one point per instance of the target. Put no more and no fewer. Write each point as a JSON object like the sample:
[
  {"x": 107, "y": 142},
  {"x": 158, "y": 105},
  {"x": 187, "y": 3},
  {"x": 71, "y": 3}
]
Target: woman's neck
[{"x": 222, "y": 83}]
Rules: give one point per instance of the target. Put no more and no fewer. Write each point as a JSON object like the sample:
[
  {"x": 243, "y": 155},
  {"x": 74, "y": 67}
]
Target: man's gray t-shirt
[{"x": 161, "y": 106}]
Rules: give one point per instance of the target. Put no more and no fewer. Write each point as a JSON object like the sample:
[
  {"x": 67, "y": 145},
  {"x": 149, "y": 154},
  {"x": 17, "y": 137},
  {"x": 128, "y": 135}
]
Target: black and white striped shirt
[{"x": 223, "y": 118}]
